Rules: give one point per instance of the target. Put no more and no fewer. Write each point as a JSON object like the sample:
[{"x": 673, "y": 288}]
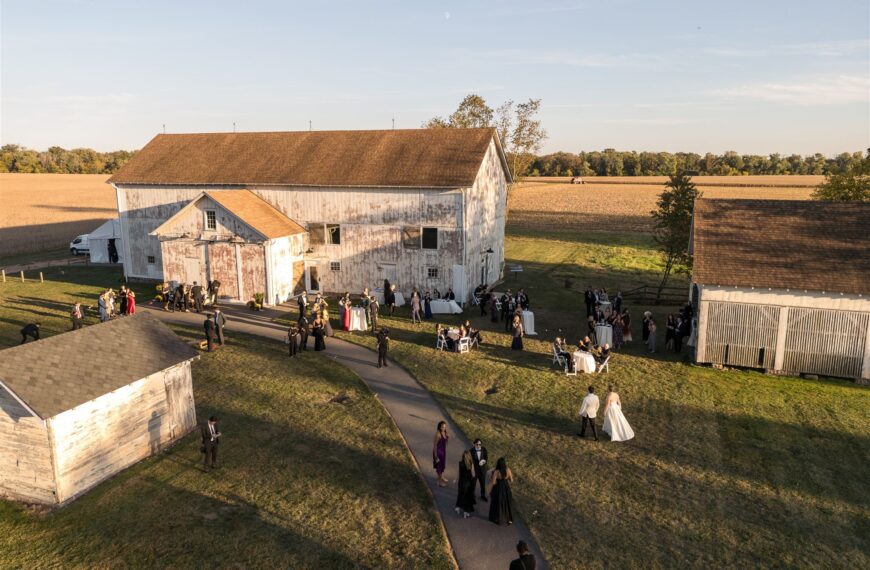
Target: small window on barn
[
  {"x": 411, "y": 237},
  {"x": 430, "y": 238},
  {"x": 333, "y": 234},
  {"x": 210, "y": 220},
  {"x": 335, "y": 266},
  {"x": 432, "y": 272},
  {"x": 151, "y": 260},
  {"x": 315, "y": 234}
]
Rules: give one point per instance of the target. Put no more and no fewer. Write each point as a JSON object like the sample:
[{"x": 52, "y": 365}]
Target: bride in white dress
[{"x": 615, "y": 424}]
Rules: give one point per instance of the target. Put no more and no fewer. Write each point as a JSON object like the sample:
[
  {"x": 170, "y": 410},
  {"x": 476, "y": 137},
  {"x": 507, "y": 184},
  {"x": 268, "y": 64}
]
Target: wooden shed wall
[
  {"x": 25, "y": 456},
  {"x": 283, "y": 254},
  {"x": 100, "y": 438},
  {"x": 486, "y": 208}
]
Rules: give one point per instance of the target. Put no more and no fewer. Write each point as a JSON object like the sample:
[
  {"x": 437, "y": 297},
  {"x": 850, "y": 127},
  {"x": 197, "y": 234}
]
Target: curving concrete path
[{"x": 477, "y": 543}]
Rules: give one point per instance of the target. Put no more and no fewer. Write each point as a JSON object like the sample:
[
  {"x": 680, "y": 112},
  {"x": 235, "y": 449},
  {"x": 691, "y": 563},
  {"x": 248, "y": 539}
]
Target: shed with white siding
[
  {"x": 783, "y": 285},
  {"x": 69, "y": 419},
  {"x": 423, "y": 208}
]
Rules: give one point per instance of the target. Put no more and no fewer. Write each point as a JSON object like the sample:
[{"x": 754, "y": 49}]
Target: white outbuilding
[{"x": 105, "y": 243}]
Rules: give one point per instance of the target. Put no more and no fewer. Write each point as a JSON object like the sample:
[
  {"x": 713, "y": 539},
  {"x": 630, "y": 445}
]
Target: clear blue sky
[{"x": 755, "y": 76}]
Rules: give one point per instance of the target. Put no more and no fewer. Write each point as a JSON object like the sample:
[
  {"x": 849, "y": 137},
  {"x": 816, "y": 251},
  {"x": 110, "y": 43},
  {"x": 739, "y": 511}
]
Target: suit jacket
[
  {"x": 524, "y": 562},
  {"x": 196, "y": 292},
  {"x": 589, "y": 407},
  {"x": 480, "y": 469},
  {"x": 219, "y": 319},
  {"x": 208, "y": 325},
  {"x": 206, "y": 435},
  {"x": 303, "y": 325}
]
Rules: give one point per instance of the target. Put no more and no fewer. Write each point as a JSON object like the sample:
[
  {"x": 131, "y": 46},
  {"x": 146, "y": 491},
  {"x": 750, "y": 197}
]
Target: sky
[{"x": 759, "y": 76}]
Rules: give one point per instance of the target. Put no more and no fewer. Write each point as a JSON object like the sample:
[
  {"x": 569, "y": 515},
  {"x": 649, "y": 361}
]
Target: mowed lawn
[
  {"x": 302, "y": 483},
  {"x": 728, "y": 468}
]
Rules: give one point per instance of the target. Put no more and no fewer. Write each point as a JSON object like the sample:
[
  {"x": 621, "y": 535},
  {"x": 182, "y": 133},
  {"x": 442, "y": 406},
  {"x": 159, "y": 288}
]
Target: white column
[
  {"x": 865, "y": 369},
  {"x": 239, "y": 273},
  {"x": 781, "y": 331},
  {"x": 267, "y": 251},
  {"x": 701, "y": 341}
]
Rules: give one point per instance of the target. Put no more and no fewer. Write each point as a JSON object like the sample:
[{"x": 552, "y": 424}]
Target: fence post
[
  {"x": 40, "y": 277},
  {"x": 22, "y": 276},
  {"x": 4, "y": 275}
]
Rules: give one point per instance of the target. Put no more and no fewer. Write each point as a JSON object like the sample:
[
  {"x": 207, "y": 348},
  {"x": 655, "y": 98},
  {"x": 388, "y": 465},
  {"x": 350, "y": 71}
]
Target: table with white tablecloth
[
  {"x": 443, "y": 306},
  {"x": 358, "y": 320},
  {"x": 528, "y": 318},
  {"x": 604, "y": 334},
  {"x": 379, "y": 295},
  {"x": 584, "y": 362}
]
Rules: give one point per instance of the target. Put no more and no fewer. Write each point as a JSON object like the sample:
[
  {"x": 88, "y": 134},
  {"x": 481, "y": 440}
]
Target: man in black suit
[
  {"x": 450, "y": 296},
  {"x": 383, "y": 346},
  {"x": 198, "y": 297},
  {"x": 211, "y": 437},
  {"x": 526, "y": 561},
  {"x": 480, "y": 457},
  {"x": 303, "y": 332},
  {"x": 293, "y": 340},
  {"x": 208, "y": 326},
  {"x": 589, "y": 299},
  {"x": 31, "y": 330},
  {"x": 302, "y": 301},
  {"x": 219, "y": 321}
]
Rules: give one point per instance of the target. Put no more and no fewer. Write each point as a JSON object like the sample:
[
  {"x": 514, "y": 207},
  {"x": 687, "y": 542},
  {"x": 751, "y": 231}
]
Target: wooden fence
[{"x": 646, "y": 294}]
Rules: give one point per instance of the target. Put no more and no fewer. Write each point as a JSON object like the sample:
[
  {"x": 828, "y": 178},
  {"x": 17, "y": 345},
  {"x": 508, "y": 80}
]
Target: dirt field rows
[
  {"x": 612, "y": 207},
  {"x": 46, "y": 211},
  {"x": 810, "y": 181}
]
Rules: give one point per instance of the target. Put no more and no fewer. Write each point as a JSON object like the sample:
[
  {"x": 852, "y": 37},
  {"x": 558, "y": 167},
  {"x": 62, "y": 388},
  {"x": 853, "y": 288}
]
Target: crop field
[
  {"x": 623, "y": 204},
  {"x": 46, "y": 211}
]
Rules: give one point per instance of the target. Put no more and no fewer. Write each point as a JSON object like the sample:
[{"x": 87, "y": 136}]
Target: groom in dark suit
[{"x": 480, "y": 457}]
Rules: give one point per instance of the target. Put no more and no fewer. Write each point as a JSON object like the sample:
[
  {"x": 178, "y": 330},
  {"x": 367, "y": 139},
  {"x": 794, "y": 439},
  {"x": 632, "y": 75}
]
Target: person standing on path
[
  {"x": 219, "y": 321},
  {"x": 211, "y": 438},
  {"x": 439, "y": 452},
  {"x": 517, "y": 343},
  {"x": 480, "y": 456},
  {"x": 467, "y": 476},
  {"x": 374, "y": 307},
  {"x": 31, "y": 330},
  {"x": 303, "y": 303},
  {"x": 383, "y": 346},
  {"x": 319, "y": 332},
  {"x": 131, "y": 302},
  {"x": 76, "y": 316},
  {"x": 122, "y": 300},
  {"x": 526, "y": 561},
  {"x": 198, "y": 296},
  {"x": 501, "y": 509},
  {"x": 208, "y": 326},
  {"x": 303, "y": 332},
  {"x": 588, "y": 411},
  {"x": 293, "y": 340}
]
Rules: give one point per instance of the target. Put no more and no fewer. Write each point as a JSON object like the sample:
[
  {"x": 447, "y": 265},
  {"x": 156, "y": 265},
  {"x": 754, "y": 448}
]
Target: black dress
[
  {"x": 319, "y": 343},
  {"x": 501, "y": 502},
  {"x": 465, "y": 499}
]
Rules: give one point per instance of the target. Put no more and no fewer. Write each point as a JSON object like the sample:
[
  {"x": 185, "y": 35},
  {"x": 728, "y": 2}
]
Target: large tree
[
  {"x": 673, "y": 225},
  {"x": 853, "y": 185}
]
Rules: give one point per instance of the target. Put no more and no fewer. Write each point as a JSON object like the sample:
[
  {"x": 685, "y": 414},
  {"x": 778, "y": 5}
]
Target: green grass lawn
[
  {"x": 303, "y": 483},
  {"x": 728, "y": 468}
]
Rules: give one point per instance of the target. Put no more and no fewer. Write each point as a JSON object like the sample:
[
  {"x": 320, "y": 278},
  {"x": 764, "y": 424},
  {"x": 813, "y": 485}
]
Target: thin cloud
[
  {"x": 818, "y": 90},
  {"x": 836, "y": 48},
  {"x": 541, "y": 58}
]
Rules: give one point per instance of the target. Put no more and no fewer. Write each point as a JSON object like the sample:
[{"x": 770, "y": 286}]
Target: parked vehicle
[{"x": 79, "y": 245}]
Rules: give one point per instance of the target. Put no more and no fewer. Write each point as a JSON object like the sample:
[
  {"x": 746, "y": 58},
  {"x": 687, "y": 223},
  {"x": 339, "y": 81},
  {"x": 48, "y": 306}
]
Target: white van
[{"x": 79, "y": 245}]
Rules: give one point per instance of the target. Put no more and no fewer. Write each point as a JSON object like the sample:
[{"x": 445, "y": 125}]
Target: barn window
[
  {"x": 430, "y": 238},
  {"x": 333, "y": 234},
  {"x": 335, "y": 266},
  {"x": 151, "y": 259},
  {"x": 315, "y": 234},
  {"x": 411, "y": 237},
  {"x": 432, "y": 272},
  {"x": 210, "y": 220}
]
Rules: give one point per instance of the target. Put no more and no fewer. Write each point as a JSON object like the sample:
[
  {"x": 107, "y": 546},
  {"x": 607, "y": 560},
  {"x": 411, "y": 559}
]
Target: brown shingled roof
[
  {"x": 433, "y": 158},
  {"x": 783, "y": 244},
  {"x": 61, "y": 372},
  {"x": 256, "y": 212}
]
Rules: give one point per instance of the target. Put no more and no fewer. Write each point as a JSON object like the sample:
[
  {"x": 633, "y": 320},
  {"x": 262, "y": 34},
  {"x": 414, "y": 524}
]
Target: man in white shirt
[{"x": 588, "y": 411}]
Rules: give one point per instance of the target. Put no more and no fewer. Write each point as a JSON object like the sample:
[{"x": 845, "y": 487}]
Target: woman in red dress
[
  {"x": 347, "y": 306},
  {"x": 131, "y": 302}
]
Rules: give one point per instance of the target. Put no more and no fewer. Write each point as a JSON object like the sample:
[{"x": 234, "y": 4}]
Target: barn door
[
  {"x": 194, "y": 270},
  {"x": 298, "y": 277},
  {"x": 825, "y": 342},
  {"x": 741, "y": 334},
  {"x": 312, "y": 279}
]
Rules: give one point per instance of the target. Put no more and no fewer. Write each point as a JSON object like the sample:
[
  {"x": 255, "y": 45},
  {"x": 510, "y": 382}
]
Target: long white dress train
[{"x": 615, "y": 424}]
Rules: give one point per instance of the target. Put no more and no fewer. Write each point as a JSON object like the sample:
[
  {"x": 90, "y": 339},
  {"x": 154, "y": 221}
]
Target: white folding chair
[
  {"x": 559, "y": 359},
  {"x": 569, "y": 371},
  {"x": 604, "y": 366},
  {"x": 464, "y": 344},
  {"x": 474, "y": 341}
]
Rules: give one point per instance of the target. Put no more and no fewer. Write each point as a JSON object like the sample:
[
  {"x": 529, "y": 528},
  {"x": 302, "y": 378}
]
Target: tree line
[
  {"x": 612, "y": 162},
  {"x": 57, "y": 160}
]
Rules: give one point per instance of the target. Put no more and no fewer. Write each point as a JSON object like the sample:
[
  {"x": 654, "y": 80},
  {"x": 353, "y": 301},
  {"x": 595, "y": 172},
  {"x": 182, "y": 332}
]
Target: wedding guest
[
  {"x": 390, "y": 296},
  {"x": 324, "y": 316},
  {"x": 645, "y": 326},
  {"x": 383, "y": 345},
  {"x": 303, "y": 326},
  {"x": 493, "y": 308},
  {"x": 415, "y": 306},
  {"x": 617, "y": 302},
  {"x": 76, "y": 316},
  {"x": 467, "y": 477},
  {"x": 526, "y": 561},
  {"x": 374, "y": 307},
  {"x": 317, "y": 329},
  {"x": 208, "y": 327},
  {"x": 30, "y": 330},
  {"x": 131, "y": 302},
  {"x": 164, "y": 295},
  {"x": 211, "y": 437},
  {"x": 436, "y": 294},
  {"x": 102, "y": 308},
  {"x": 651, "y": 336},
  {"x": 501, "y": 509},
  {"x": 588, "y": 411},
  {"x": 219, "y": 321},
  {"x": 450, "y": 295},
  {"x": 427, "y": 306},
  {"x": 439, "y": 452},
  {"x": 198, "y": 297},
  {"x": 302, "y": 302},
  {"x": 618, "y": 331},
  {"x": 626, "y": 326},
  {"x": 589, "y": 299},
  {"x": 122, "y": 300},
  {"x": 293, "y": 340},
  {"x": 670, "y": 328},
  {"x": 480, "y": 456},
  {"x": 517, "y": 343},
  {"x": 590, "y": 328}
]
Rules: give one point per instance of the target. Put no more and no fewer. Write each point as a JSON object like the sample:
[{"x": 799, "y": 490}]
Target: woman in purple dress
[{"x": 439, "y": 452}]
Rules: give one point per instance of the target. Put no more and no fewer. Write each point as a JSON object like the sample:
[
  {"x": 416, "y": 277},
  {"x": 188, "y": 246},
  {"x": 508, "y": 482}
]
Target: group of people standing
[
  {"x": 473, "y": 473},
  {"x": 109, "y": 304},
  {"x": 679, "y": 327},
  {"x": 185, "y": 297}
]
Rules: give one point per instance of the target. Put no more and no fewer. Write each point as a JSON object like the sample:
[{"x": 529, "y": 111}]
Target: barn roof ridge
[
  {"x": 395, "y": 158},
  {"x": 60, "y": 372}
]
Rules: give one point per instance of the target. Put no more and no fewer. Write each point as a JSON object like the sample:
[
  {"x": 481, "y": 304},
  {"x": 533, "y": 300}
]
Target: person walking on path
[
  {"x": 208, "y": 326},
  {"x": 439, "y": 452},
  {"x": 501, "y": 507},
  {"x": 588, "y": 411},
  {"x": 467, "y": 476},
  {"x": 76, "y": 316},
  {"x": 293, "y": 340},
  {"x": 211, "y": 438},
  {"x": 383, "y": 346},
  {"x": 526, "y": 561},
  {"x": 31, "y": 330},
  {"x": 480, "y": 456},
  {"x": 219, "y": 321}
]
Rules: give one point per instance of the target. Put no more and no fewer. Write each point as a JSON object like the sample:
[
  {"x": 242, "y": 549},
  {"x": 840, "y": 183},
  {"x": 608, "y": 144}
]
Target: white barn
[
  {"x": 332, "y": 211},
  {"x": 783, "y": 285},
  {"x": 69, "y": 420}
]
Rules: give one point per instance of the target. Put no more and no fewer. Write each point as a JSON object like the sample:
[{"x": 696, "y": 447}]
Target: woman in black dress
[
  {"x": 501, "y": 506},
  {"x": 465, "y": 500},
  {"x": 517, "y": 343},
  {"x": 318, "y": 330}
]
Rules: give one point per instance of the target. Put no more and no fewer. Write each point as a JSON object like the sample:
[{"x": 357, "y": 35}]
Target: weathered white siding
[
  {"x": 25, "y": 457},
  {"x": 100, "y": 438},
  {"x": 282, "y": 254}
]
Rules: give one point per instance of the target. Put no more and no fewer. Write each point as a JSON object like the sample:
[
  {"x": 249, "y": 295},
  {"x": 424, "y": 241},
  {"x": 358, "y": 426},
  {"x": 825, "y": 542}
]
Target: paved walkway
[{"x": 477, "y": 543}]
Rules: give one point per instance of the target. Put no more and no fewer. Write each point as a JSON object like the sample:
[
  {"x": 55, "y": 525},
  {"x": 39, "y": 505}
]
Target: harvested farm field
[
  {"x": 46, "y": 211},
  {"x": 610, "y": 205}
]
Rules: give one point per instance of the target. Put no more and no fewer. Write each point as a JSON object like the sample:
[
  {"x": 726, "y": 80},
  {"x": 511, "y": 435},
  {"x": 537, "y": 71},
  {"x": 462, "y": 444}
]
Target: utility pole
[{"x": 234, "y": 126}]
